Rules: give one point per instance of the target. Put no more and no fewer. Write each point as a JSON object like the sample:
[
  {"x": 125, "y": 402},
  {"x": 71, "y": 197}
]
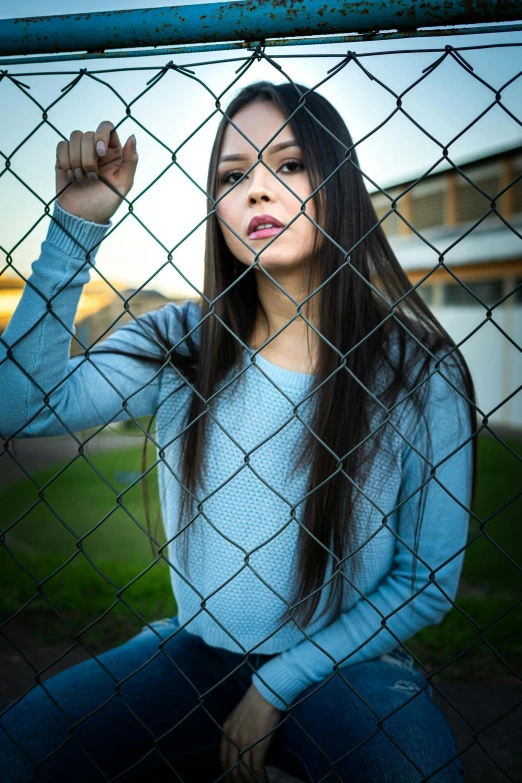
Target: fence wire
[{"x": 246, "y": 62}]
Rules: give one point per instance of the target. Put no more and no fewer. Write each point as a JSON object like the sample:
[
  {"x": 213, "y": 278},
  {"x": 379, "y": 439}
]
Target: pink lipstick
[{"x": 264, "y": 227}]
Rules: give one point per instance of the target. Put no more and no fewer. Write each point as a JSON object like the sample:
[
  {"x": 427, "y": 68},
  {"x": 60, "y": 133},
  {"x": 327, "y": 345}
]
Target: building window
[
  {"x": 517, "y": 188},
  {"x": 427, "y": 210},
  {"x": 454, "y": 295},
  {"x": 472, "y": 205},
  {"x": 517, "y": 296}
]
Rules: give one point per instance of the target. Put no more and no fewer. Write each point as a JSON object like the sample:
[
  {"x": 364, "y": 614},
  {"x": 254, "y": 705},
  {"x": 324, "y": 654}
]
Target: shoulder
[
  {"x": 174, "y": 318},
  {"x": 424, "y": 358},
  {"x": 164, "y": 328},
  {"x": 427, "y": 380}
]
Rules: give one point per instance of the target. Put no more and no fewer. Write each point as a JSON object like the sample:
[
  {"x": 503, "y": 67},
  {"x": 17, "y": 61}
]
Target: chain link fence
[{"x": 500, "y": 203}]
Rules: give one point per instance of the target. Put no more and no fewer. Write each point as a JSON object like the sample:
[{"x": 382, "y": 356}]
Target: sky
[{"x": 443, "y": 104}]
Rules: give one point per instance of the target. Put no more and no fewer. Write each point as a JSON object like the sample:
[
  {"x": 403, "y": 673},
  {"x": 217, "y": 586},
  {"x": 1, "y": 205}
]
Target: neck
[{"x": 295, "y": 338}]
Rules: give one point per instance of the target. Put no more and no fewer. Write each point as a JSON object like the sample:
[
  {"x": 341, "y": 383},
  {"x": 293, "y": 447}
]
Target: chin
[
  {"x": 280, "y": 266},
  {"x": 275, "y": 259}
]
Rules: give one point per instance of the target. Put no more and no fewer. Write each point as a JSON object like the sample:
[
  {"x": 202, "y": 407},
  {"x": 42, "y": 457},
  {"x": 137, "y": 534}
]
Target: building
[{"x": 481, "y": 250}]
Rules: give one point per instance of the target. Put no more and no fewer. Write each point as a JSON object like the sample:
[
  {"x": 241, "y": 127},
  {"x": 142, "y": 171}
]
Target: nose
[{"x": 261, "y": 188}]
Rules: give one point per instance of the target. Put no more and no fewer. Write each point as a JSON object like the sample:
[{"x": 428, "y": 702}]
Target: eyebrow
[{"x": 274, "y": 148}]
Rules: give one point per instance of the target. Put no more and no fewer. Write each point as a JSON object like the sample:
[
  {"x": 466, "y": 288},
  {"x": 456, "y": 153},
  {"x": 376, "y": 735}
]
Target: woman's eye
[
  {"x": 226, "y": 177},
  {"x": 292, "y": 163}
]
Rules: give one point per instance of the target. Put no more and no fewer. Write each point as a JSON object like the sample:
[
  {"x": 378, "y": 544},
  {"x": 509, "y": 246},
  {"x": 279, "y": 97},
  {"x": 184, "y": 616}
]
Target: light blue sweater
[{"x": 223, "y": 600}]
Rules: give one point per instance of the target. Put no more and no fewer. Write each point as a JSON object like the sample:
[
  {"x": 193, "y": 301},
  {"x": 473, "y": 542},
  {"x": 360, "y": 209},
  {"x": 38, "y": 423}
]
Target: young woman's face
[{"x": 261, "y": 195}]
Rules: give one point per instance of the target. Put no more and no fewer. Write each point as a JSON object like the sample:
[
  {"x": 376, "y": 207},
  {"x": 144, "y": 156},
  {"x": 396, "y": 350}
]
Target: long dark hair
[{"x": 364, "y": 300}]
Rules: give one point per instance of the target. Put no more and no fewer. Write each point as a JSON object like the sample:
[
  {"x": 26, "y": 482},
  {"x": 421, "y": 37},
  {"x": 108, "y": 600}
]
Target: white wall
[{"x": 495, "y": 363}]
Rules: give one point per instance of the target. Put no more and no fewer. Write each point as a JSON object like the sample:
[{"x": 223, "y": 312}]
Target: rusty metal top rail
[{"x": 246, "y": 22}]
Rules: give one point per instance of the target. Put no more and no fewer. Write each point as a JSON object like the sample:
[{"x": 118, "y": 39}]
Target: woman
[{"x": 287, "y": 648}]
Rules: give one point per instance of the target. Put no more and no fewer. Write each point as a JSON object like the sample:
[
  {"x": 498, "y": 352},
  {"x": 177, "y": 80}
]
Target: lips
[{"x": 259, "y": 220}]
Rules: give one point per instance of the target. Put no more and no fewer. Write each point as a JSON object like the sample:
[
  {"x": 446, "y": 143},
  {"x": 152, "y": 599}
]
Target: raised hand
[{"x": 82, "y": 160}]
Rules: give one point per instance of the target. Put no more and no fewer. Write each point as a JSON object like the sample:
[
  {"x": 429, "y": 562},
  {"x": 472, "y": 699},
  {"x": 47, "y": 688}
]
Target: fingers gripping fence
[{"x": 243, "y": 28}]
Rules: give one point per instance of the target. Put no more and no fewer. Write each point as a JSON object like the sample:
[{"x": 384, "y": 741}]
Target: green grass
[
  {"x": 39, "y": 545},
  {"x": 64, "y": 557},
  {"x": 490, "y": 584}
]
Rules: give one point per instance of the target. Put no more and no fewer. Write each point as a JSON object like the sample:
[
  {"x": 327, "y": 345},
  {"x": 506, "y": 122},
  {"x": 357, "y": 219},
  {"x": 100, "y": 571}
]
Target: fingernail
[
  {"x": 134, "y": 143},
  {"x": 92, "y": 176},
  {"x": 70, "y": 175},
  {"x": 78, "y": 173},
  {"x": 100, "y": 148}
]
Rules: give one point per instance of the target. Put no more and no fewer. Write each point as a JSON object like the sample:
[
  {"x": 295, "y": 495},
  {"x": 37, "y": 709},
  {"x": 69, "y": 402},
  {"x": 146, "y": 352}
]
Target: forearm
[{"x": 35, "y": 347}]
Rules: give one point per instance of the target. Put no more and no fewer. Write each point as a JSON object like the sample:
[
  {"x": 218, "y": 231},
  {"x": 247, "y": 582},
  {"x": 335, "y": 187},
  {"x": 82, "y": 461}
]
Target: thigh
[
  {"x": 379, "y": 723},
  {"x": 161, "y": 695}
]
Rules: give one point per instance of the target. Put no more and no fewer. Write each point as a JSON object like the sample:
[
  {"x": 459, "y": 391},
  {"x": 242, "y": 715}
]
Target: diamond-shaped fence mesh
[{"x": 222, "y": 404}]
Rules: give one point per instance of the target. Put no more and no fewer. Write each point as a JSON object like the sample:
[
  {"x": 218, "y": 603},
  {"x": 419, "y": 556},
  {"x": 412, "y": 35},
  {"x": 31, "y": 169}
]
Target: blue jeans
[{"x": 145, "y": 712}]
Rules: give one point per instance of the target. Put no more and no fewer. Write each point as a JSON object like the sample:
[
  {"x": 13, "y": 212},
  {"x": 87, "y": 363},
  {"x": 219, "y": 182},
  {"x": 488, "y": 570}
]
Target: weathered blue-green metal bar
[
  {"x": 252, "y": 20},
  {"x": 170, "y": 51}
]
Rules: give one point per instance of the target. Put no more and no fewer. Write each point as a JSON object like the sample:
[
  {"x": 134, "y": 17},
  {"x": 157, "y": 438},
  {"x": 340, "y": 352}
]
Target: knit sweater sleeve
[
  {"x": 44, "y": 391},
  {"x": 394, "y": 612}
]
